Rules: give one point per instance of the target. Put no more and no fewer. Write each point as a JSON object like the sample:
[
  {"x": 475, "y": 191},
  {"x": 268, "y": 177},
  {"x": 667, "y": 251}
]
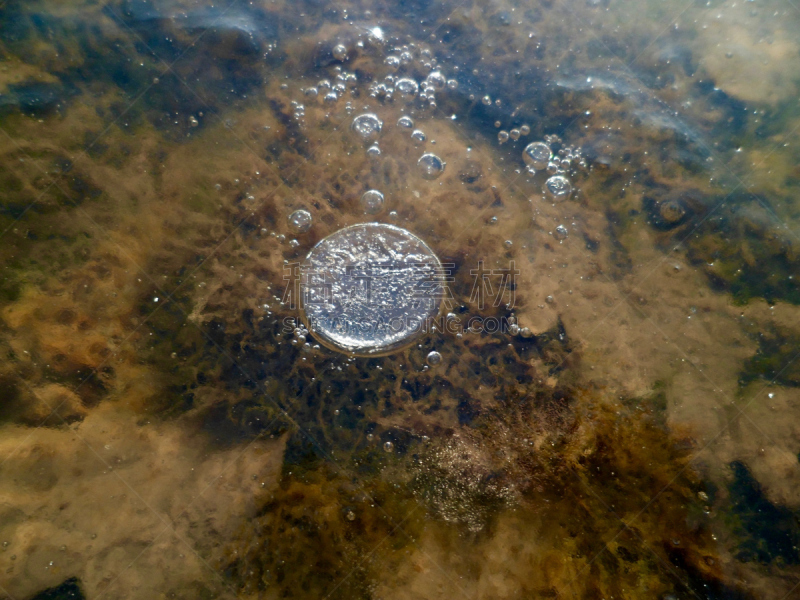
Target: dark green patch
[
  {"x": 69, "y": 590},
  {"x": 768, "y": 533}
]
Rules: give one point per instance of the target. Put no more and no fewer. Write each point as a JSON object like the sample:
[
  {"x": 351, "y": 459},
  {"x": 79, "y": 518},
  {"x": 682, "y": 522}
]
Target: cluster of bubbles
[
  {"x": 327, "y": 91},
  {"x": 405, "y": 88},
  {"x": 300, "y": 337},
  {"x": 539, "y": 156},
  {"x": 503, "y": 136}
]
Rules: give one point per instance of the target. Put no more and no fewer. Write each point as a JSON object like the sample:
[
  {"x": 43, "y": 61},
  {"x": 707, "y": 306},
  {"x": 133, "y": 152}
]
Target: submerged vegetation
[{"x": 154, "y": 152}]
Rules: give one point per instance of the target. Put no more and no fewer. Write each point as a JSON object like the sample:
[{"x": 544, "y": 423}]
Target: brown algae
[{"x": 161, "y": 413}]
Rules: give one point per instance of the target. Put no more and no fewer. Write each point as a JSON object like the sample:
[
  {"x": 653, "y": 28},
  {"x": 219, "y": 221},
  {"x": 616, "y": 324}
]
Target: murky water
[{"x": 596, "y": 390}]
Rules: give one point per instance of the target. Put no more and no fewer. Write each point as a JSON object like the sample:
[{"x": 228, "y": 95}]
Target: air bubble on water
[
  {"x": 331, "y": 97},
  {"x": 388, "y": 446},
  {"x": 405, "y": 122},
  {"x": 418, "y": 136},
  {"x": 514, "y": 133},
  {"x": 502, "y": 136},
  {"x": 367, "y": 126},
  {"x": 372, "y": 202},
  {"x": 561, "y": 233},
  {"x": 452, "y": 84},
  {"x": 430, "y": 166},
  {"x": 524, "y": 129},
  {"x": 497, "y": 124},
  {"x": 339, "y": 52},
  {"x": 526, "y": 332},
  {"x": 193, "y": 122},
  {"x": 433, "y": 358},
  {"x": 294, "y": 243},
  {"x": 487, "y": 101},
  {"x": 508, "y": 243},
  {"x": 373, "y": 150},
  {"x": 324, "y": 84},
  {"x": 513, "y": 329},
  {"x": 351, "y": 516},
  {"x": 406, "y": 57},
  {"x": 552, "y": 167},
  {"x": 537, "y": 155},
  {"x": 311, "y": 92},
  {"x": 557, "y": 187},
  {"x": 436, "y": 80},
  {"x": 300, "y": 221},
  {"x": 406, "y": 88}
]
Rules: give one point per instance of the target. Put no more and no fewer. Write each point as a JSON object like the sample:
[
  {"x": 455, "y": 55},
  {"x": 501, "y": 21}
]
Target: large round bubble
[{"x": 371, "y": 289}]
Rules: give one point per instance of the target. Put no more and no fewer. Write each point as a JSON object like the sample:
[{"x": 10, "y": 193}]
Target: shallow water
[{"x": 607, "y": 403}]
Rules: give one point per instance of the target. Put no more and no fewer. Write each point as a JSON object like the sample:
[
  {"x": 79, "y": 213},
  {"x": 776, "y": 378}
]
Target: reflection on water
[{"x": 608, "y": 406}]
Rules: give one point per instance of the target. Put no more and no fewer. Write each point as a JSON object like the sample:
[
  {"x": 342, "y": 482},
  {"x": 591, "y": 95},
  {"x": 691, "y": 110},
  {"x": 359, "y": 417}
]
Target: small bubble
[
  {"x": 193, "y": 122},
  {"x": 339, "y": 52},
  {"x": 336, "y": 412},
  {"x": 508, "y": 243},
  {"x": 514, "y": 133},
  {"x": 537, "y": 155},
  {"x": 436, "y": 80},
  {"x": 452, "y": 84},
  {"x": 561, "y": 233},
  {"x": 558, "y": 187},
  {"x": 300, "y": 221},
  {"x": 525, "y": 130},
  {"x": 418, "y": 136},
  {"x": 406, "y": 88},
  {"x": 368, "y": 126},
  {"x": 311, "y": 92},
  {"x": 372, "y": 202},
  {"x": 434, "y": 358},
  {"x": 351, "y": 516},
  {"x": 526, "y": 332},
  {"x": 487, "y": 101},
  {"x": 373, "y": 150},
  {"x": 502, "y": 136},
  {"x": 388, "y": 446},
  {"x": 405, "y": 122},
  {"x": 430, "y": 166}
]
